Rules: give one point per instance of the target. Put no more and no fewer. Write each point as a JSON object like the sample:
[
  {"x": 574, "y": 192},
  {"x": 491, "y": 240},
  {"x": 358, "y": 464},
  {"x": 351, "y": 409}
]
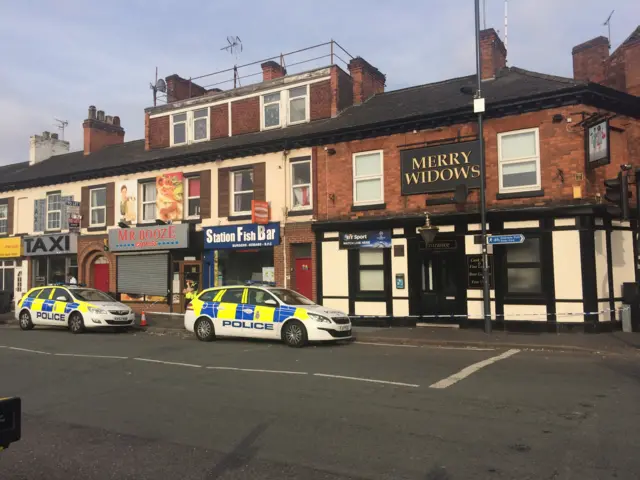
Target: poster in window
[
  {"x": 73, "y": 216},
  {"x": 598, "y": 144},
  {"x": 169, "y": 196},
  {"x": 127, "y": 202}
]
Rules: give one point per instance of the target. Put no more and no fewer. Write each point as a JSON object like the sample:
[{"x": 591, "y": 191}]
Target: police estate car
[
  {"x": 74, "y": 307},
  {"x": 263, "y": 312}
]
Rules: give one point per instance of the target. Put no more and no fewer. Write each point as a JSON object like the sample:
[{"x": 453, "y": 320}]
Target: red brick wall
[
  {"x": 179, "y": 88},
  {"x": 589, "y": 60},
  {"x": 219, "y": 121},
  {"x": 98, "y": 135},
  {"x": 245, "y": 116},
  {"x": 493, "y": 53},
  {"x": 90, "y": 248},
  {"x": 320, "y": 101},
  {"x": 159, "y": 132},
  {"x": 559, "y": 149},
  {"x": 294, "y": 233},
  {"x": 632, "y": 55}
]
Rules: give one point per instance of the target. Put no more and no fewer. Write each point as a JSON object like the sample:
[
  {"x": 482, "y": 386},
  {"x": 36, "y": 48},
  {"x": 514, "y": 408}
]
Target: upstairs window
[
  {"x": 192, "y": 197},
  {"x": 201, "y": 125},
  {"x": 190, "y": 127},
  {"x": 98, "y": 214},
  {"x": 54, "y": 211},
  {"x": 298, "y": 104},
  {"x": 271, "y": 110},
  {"x": 301, "y": 185},
  {"x": 179, "y": 128},
  {"x": 148, "y": 201},
  {"x": 241, "y": 191},
  {"x": 368, "y": 179},
  {"x": 4, "y": 219},
  {"x": 519, "y": 161}
]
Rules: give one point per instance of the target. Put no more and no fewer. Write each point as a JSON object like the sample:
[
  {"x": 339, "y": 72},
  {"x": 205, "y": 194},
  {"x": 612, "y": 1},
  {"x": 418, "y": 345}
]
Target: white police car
[
  {"x": 264, "y": 312},
  {"x": 74, "y": 307}
]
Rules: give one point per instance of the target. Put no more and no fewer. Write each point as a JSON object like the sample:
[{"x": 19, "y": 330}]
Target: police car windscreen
[
  {"x": 290, "y": 297},
  {"x": 90, "y": 295}
]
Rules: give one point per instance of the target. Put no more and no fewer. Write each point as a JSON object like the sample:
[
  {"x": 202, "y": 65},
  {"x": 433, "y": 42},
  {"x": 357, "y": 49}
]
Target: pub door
[
  {"x": 440, "y": 272},
  {"x": 187, "y": 282}
]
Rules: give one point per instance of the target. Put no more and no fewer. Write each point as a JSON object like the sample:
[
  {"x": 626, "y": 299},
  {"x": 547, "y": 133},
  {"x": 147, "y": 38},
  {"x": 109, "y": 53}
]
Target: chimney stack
[
  {"x": 589, "y": 60},
  {"x": 179, "y": 88},
  {"x": 99, "y": 132},
  {"x": 271, "y": 70},
  {"x": 367, "y": 80},
  {"x": 493, "y": 54},
  {"x": 45, "y": 146}
]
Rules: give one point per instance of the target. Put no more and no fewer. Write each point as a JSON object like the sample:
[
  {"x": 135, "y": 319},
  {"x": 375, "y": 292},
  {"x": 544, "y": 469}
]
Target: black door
[{"x": 439, "y": 288}]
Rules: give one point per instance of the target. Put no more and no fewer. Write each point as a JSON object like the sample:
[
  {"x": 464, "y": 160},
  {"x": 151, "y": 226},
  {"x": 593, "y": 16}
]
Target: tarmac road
[{"x": 141, "y": 406}]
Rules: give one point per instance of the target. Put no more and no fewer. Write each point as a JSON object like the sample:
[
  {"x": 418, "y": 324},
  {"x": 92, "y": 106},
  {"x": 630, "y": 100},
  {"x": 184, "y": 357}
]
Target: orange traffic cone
[{"x": 143, "y": 320}]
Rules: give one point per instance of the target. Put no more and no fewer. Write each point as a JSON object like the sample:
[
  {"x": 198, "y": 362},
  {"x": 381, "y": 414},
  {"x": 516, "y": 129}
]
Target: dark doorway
[{"x": 440, "y": 284}]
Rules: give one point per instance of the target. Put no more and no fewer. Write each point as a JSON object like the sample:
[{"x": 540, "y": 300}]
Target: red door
[
  {"x": 303, "y": 276},
  {"x": 101, "y": 276}
]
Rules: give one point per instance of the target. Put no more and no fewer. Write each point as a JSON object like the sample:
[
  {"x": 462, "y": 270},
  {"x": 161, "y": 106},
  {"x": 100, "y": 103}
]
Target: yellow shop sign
[{"x": 10, "y": 247}]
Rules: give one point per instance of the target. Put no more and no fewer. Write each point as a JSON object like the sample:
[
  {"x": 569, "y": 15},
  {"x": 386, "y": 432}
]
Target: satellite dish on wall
[{"x": 161, "y": 85}]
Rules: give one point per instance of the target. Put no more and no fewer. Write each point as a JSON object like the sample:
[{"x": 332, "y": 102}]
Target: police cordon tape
[{"x": 480, "y": 317}]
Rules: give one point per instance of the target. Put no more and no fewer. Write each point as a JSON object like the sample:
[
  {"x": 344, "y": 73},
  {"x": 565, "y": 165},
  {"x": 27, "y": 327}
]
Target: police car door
[
  {"x": 228, "y": 313},
  {"x": 260, "y": 308},
  {"x": 40, "y": 308},
  {"x": 62, "y": 298}
]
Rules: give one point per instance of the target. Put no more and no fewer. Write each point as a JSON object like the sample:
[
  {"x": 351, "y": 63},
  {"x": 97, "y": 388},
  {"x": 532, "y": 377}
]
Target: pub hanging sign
[{"x": 441, "y": 168}]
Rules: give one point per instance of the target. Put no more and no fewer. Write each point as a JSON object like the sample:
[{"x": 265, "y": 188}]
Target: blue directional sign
[{"x": 505, "y": 239}]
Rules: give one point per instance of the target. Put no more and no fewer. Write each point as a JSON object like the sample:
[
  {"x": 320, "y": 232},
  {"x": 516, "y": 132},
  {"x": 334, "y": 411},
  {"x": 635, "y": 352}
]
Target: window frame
[
  {"x": 264, "y": 104},
  {"x": 267, "y": 295},
  {"x": 307, "y": 103},
  {"x": 501, "y": 162},
  {"x": 187, "y": 197},
  {"x": 379, "y": 267},
  {"x": 65, "y": 292},
  {"x": 233, "y": 193},
  {"x": 142, "y": 202},
  {"x": 368, "y": 177},
  {"x": 192, "y": 136},
  {"x": 292, "y": 163},
  {"x": 59, "y": 211},
  {"x": 539, "y": 265},
  {"x": 190, "y": 128},
  {"x": 186, "y": 128},
  {"x": 227, "y": 290},
  {"x": 4, "y": 217},
  {"x": 92, "y": 208}
]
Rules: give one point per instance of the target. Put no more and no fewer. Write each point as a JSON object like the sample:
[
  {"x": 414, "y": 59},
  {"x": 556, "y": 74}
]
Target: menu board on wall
[{"x": 474, "y": 271}]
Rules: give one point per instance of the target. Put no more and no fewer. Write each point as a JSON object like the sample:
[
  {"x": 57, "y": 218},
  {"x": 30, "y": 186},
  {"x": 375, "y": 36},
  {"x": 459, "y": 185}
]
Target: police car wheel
[
  {"x": 294, "y": 334},
  {"x": 204, "y": 330},
  {"x": 76, "y": 323},
  {"x": 25, "y": 320}
]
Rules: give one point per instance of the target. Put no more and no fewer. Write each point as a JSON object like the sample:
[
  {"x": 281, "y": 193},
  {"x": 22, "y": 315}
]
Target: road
[{"x": 141, "y": 406}]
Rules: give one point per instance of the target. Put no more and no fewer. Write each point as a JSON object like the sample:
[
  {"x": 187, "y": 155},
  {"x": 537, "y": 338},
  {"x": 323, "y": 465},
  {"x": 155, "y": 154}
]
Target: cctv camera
[{"x": 625, "y": 167}]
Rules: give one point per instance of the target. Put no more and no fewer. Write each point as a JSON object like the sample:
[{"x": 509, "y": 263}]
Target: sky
[{"x": 57, "y": 58}]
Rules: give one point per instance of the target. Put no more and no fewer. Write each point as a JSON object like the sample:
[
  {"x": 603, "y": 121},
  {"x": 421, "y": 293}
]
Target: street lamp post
[{"x": 478, "y": 107}]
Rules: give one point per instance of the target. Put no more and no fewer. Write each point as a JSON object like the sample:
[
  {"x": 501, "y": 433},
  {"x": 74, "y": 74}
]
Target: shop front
[
  {"x": 238, "y": 254},
  {"x": 11, "y": 275},
  {"x": 53, "y": 258},
  {"x": 156, "y": 265}
]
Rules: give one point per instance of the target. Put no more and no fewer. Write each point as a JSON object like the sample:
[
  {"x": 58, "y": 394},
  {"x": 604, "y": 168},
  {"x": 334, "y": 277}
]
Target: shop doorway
[
  {"x": 304, "y": 277},
  {"x": 187, "y": 282},
  {"x": 101, "y": 274},
  {"x": 440, "y": 290}
]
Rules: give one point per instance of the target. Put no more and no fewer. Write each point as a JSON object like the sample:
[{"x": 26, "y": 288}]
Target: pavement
[
  {"x": 613, "y": 342},
  {"x": 151, "y": 406}
]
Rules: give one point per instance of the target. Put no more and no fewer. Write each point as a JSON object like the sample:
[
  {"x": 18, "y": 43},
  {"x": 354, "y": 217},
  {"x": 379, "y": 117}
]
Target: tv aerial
[
  {"x": 607, "y": 23},
  {"x": 62, "y": 124},
  {"x": 234, "y": 47},
  {"x": 159, "y": 86}
]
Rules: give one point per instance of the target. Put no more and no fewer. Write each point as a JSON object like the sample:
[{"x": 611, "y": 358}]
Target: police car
[
  {"x": 74, "y": 307},
  {"x": 263, "y": 312}
]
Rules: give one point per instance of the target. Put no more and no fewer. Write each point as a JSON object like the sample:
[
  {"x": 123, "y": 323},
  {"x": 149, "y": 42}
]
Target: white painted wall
[
  {"x": 622, "y": 259},
  {"x": 337, "y": 303},
  {"x": 567, "y": 265},
  {"x": 399, "y": 265},
  {"x": 400, "y": 307},
  {"x": 522, "y": 224},
  {"x": 563, "y": 309},
  {"x": 536, "y": 313},
  {"x": 602, "y": 280},
  {"x": 475, "y": 308},
  {"x": 42, "y": 147},
  {"x": 371, "y": 308},
  {"x": 335, "y": 270}
]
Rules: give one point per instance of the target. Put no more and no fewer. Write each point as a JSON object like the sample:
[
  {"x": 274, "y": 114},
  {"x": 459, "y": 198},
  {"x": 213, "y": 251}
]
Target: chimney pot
[
  {"x": 116, "y": 121},
  {"x": 108, "y": 119},
  {"x": 92, "y": 112},
  {"x": 45, "y": 135},
  {"x": 54, "y": 136},
  {"x": 100, "y": 115}
]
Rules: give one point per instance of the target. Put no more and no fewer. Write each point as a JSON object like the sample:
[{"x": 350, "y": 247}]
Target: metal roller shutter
[{"x": 143, "y": 274}]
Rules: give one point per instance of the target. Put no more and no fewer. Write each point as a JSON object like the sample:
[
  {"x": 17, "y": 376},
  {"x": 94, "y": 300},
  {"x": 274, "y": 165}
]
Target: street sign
[{"x": 505, "y": 239}]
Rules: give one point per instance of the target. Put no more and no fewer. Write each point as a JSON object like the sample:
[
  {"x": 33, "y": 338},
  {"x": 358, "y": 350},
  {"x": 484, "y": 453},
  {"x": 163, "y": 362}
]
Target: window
[
  {"x": 271, "y": 110},
  {"x": 242, "y": 191},
  {"x": 148, "y": 201},
  {"x": 524, "y": 267},
  {"x": 258, "y": 297},
  {"x": 367, "y": 178},
  {"x": 232, "y": 295},
  {"x": 371, "y": 270},
  {"x": 519, "y": 160},
  {"x": 291, "y": 297},
  {"x": 179, "y": 129},
  {"x": 61, "y": 292},
  {"x": 193, "y": 197},
  {"x": 298, "y": 104},
  {"x": 301, "y": 185},
  {"x": 208, "y": 296},
  {"x": 91, "y": 295},
  {"x": 54, "y": 211},
  {"x": 201, "y": 125},
  {"x": 98, "y": 214},
  {"x": 4, "y": 222},
  {"x": 33, "y": 293},
  {"x": 45, "y": 293}
]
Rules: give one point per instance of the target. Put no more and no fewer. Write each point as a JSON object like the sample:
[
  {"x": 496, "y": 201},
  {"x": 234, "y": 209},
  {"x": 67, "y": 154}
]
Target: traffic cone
[{"x": 143, "y": 320}]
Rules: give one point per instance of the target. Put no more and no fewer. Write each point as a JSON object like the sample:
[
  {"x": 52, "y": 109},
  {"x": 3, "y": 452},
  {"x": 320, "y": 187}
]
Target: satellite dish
[{"x": 161, "y": 86}]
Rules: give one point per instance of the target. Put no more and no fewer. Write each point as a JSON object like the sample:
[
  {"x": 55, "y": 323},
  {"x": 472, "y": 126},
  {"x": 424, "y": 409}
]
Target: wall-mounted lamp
[
  {"x": 330, "y": 151},
  {"x": 123, "y": 225},
  {"x": 428, "y": 232},
  {"x": 160, "y": 222},
  {"x": 557, "y": 118}
]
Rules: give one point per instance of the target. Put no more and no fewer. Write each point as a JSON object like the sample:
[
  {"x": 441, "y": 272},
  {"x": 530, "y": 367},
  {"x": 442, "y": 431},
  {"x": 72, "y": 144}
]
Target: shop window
[
  {"x": 241, "y": 191},
  {"x": 192, "y": 198},
  {"x": 368, "y": 179},
  {"x": 54, "y": 211},
  {"x": 301, "y": 185},
  {"x": 371, "y": 270},
  {"x": 519, "y": 161},
  {"x": 232, "y": 295},
  {"x": 148, "y": 201},
  {"x": 98, "y": 214},
  {"x": 298, "y": 104},
  {"x": 4, "y": 221},
  {"x": 271, "y": 110},
  {"x": 524, "y": 267},
  {"x": 179, "y": 129}
]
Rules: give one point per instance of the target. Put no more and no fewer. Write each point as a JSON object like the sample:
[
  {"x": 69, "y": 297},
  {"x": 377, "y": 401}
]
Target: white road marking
[
  {"x": 385, "y": 344},
  {"x": 258, "y": 370},
  {"x": 438, "y": 347},
  {"x": 371, "y": 380},
  {"x": 89, "y": 356},
  {"x": 29, "y": 350},
  {"x": 465, "y": 372},
  {"x": 150, "y": 360}
]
